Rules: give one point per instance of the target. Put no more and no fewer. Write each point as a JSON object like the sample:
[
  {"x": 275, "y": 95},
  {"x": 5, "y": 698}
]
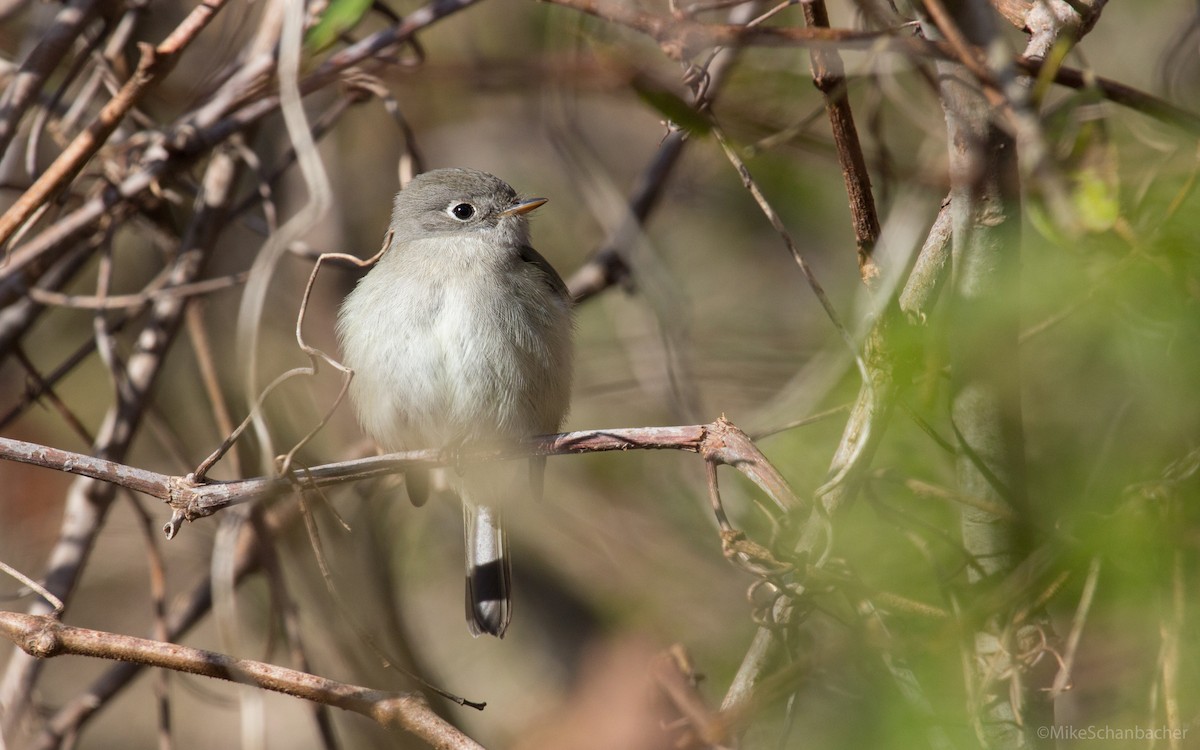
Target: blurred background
[{"x": 623, "y": 558}]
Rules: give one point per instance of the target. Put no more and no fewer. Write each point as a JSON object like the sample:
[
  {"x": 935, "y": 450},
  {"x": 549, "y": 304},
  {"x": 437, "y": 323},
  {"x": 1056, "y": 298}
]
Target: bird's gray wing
[{"x": 533, "y": 257}]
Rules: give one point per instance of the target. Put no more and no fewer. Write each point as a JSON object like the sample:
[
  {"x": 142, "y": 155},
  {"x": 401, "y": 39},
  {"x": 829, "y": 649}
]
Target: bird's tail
[{"x": 489, "y": 579}]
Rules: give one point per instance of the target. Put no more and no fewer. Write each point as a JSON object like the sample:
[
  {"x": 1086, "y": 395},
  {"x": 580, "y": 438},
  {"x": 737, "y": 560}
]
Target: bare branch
[
  {"x": 27, "y": 84},
  {"x": 719, "y": 441},
  {"x": 44, "y": 637},
  {"x": 830, "y": 78}
]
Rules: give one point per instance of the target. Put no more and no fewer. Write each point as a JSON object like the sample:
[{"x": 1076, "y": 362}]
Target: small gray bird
[{"x": 461, "y": 333}]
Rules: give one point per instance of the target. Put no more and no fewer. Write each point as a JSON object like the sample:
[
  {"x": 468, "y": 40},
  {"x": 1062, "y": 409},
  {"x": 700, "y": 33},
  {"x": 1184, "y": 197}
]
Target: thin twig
[
  {"x": 1062, "y": 681},
  {"x": 315, "y": 357},
  {"x": 818, "y": 290},
  {"x": 139, "y": 299},
  {"x": 34, "y": 586}
]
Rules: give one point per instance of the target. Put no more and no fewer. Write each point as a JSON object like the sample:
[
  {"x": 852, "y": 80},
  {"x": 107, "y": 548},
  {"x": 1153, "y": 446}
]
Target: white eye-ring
[{"x": 461, "y": 210}]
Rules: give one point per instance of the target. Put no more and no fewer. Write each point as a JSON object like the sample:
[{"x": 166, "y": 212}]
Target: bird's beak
[{"x": 523, "y": 207}]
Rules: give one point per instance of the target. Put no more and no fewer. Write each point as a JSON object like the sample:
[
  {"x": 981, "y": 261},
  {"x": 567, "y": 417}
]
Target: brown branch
[
  {"x": 1118, "y": 93},
  {"x": 44, "y": 637},
  {"x": 676, "y": 677},
  {"x": 155, "y": 62},
  {"x": 197, "y": 501},
  {"x": 830, "y": 78},
  {"x": 720, "y": 441}
]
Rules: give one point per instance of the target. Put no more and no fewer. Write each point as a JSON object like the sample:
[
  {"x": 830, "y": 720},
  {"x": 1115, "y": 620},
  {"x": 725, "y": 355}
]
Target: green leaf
[{"x": 338, "y": 18}]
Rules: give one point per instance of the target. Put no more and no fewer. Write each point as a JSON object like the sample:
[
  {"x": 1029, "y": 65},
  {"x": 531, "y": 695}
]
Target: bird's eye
[{"x": 462, "y": 211}]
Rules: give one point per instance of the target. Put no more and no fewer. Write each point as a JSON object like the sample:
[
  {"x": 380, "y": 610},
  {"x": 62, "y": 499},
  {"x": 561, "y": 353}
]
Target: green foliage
[{"x": 340, "y": 16}]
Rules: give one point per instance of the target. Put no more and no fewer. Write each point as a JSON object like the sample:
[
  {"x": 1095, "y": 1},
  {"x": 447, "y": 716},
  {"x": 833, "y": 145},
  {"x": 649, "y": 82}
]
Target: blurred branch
[
  {"x": 986, "y": 412},
  {"x": 1170, "y": 632},
  {"x": 238, "y": 105},
  {"x": 88, "y": 502},
  {"x": 930, "y": 271},
  {"x": 191, "y": 607},
  {"x": 152, "y": 292},
  {"x": 155, "y": 62},
  {"x": 608, "y": 264},
  {"x": 319, "y": 198},
  {"x": 1030, "y": 15},
  {"x": 45, "y": 637},
  {"x": 1063, "y": 680},
  {"x": 68, "y": 24},
  {"x": 679, "y": 39},
  {"x": 676, "y": 677},
  {"x": 17, "y": 317}
]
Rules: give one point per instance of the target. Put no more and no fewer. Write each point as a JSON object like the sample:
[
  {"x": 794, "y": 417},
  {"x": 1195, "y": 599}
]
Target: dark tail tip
[{"x": 489, "y": 603}]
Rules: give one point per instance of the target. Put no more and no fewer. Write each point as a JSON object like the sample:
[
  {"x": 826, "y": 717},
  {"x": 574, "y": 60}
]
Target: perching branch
[{"x": 720, "y": 441}]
